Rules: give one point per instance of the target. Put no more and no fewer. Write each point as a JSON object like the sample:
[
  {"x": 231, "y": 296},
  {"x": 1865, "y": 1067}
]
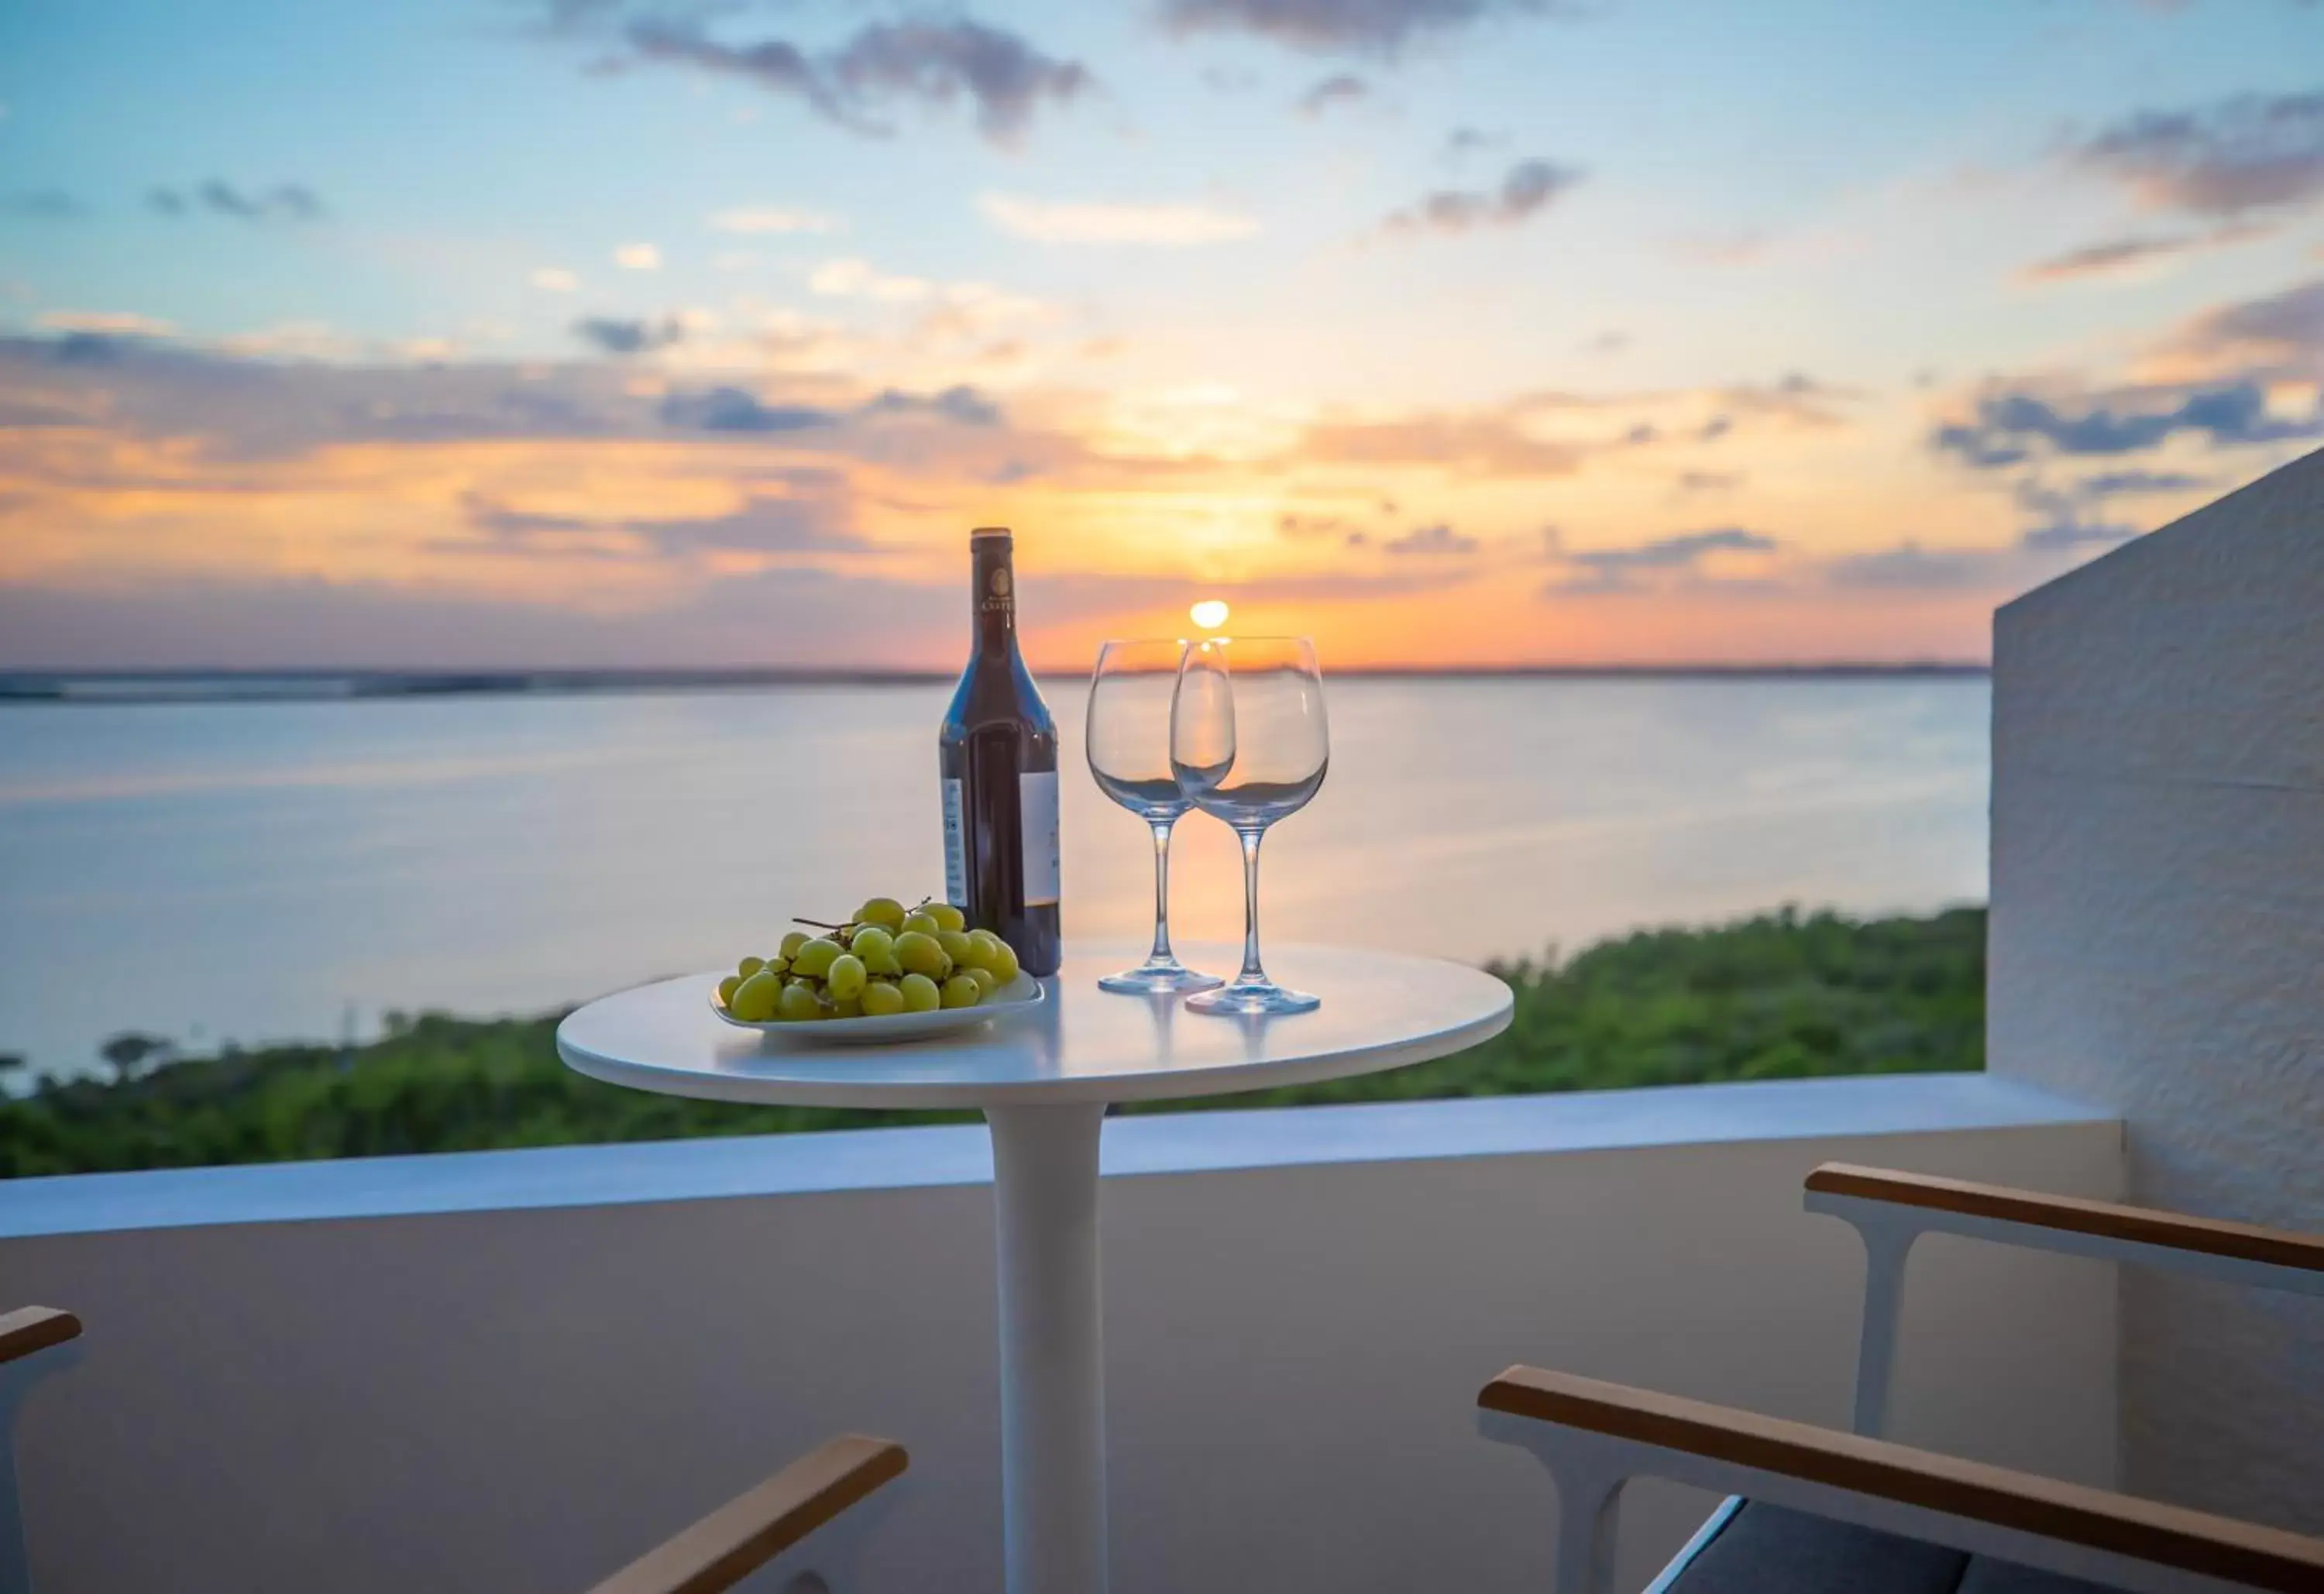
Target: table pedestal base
[{"x": 1052, "y": 1350}]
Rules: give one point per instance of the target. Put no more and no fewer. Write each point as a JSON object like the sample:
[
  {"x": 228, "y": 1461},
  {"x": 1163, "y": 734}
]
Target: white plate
[{"x": 1020, "y": 998}]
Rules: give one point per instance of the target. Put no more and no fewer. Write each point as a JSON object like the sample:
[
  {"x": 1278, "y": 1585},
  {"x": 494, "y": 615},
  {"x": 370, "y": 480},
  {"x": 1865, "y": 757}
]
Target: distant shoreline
[{"x": 151, "y": 686}]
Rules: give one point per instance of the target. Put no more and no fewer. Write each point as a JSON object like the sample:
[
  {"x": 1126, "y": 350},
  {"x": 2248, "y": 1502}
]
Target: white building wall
[
  {"x": 2158, "y": 946},
  {"x": 515, "y": 1371}
]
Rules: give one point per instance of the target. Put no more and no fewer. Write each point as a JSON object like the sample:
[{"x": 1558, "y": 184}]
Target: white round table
[{"x": 1044, "y": 1085}]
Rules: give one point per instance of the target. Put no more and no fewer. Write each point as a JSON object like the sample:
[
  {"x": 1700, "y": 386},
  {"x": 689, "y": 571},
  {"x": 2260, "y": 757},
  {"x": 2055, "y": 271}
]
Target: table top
[{"x": 1380, "y": 1012}]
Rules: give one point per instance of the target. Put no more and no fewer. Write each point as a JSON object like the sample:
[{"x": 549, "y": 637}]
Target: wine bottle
[{"x": 998, "y": 754}]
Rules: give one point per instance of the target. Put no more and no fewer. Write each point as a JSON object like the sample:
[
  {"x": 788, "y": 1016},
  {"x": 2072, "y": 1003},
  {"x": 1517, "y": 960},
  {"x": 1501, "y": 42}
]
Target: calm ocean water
[{"x": 261, "y": 870}]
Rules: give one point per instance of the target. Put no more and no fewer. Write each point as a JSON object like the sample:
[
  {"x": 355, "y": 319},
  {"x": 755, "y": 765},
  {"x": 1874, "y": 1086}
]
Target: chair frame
[
  {"x": 35, "y": 1343},
  {"x": 1593, "y": 1437},
  {"x": 751, "y": 1529},
  {"x": 712, "y": 1555}
]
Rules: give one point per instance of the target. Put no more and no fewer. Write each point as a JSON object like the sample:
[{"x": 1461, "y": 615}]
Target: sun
[{"x": 1209, "y": 614}]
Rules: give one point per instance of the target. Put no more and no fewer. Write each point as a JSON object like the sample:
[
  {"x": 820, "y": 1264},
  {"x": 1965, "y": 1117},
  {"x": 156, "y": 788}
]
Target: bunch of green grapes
[{"x": 885, "y": 960}]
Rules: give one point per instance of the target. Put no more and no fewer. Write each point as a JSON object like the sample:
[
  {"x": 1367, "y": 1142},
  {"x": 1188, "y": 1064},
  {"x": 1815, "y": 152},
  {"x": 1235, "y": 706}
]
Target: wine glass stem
[
  {"x": 1161, "y": 953},
  {"x": 1253, "y": 975}
]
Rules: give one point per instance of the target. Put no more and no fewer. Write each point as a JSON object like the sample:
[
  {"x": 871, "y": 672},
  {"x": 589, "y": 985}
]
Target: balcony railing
[{"x": 515, "y": 1369}]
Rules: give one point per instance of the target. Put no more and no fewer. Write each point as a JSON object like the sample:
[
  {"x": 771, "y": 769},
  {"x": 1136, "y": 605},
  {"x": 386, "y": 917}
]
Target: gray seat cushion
[{"x": 1771, "y": 1549}]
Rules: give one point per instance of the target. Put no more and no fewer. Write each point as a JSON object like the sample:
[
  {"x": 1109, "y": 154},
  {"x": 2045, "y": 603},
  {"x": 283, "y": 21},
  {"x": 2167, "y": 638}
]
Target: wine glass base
[
  {"x": 1238, "y": 1000},
  {"x": 1164, "y": 978}
]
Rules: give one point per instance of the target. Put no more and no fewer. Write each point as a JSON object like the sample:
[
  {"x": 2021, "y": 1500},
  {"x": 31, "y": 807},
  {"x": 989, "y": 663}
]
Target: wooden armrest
[
  {"x": 2242, "y": 1242},
  {"x": 2096, "y": 1519},
  {"x": 746, "y": 1533},
  {"x": 35, "y": 1328}
]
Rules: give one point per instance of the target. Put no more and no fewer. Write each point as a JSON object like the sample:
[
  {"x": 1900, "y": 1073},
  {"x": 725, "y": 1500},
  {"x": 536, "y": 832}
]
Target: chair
[
  {"x": 24, "y": 1334},
  {"x": 1813, "y": 1511},
  {"x": 749, "y": 1531},
  {"x": 713, "y": 1554}
]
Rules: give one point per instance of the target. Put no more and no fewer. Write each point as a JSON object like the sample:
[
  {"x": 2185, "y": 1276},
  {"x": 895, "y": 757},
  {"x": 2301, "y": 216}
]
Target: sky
[{"x": 455, "y": 334}]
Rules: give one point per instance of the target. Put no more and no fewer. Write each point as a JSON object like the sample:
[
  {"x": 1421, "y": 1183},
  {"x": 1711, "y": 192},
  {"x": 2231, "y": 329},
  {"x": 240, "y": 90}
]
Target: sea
[{"x": 217, "y": 863}]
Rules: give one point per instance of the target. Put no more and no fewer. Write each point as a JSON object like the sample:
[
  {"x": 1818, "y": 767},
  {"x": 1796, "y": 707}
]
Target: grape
[
  {"x": 780, "y": 965},
  {"x": 987, "y": 982},
  {"x": 960, "y": 991},
  {"x": 923, "y": 954},
  {"x": 884, "y": 911},
  {"x": 919, "y": 993},
  {"x": 847, "y": 978},
  {"x": 799, "y": 1005},
  {"x": 815, "y": 959},
  {"x": 749, "y": 967},
  {"x": 881, "y": 999},
  {"x": 757, "y": 999},
  {"x": 989, "y": 950},
  {"x": 846, "y": 1007},
  {"x": 726, "y": 990},
  {"x": 877, "y": 948},
  {"x": 923, "y": 921},
  {"x": 793, "y": 941},
  {"x": 947, "y": 916},
  {"x": 955, "y": 944}
]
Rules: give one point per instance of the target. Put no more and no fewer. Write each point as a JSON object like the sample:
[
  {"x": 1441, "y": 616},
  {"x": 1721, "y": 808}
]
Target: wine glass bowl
[
  {"x": 1250, "y": 745},
  {"x": 1129, "y": 740}
]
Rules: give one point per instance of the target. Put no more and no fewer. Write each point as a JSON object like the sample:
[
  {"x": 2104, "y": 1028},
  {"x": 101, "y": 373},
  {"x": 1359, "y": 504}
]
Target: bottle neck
[{"x": 993, "y": 601}]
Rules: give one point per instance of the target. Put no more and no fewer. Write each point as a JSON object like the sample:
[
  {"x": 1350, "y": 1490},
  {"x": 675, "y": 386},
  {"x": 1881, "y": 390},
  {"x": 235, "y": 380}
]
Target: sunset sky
[{"x": 458, "y": 333}]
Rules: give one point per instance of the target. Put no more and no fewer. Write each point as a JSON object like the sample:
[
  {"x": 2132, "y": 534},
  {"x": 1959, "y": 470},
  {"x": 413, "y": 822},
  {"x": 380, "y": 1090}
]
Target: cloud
[
  {"x": 1616, "y": 569},
  {"x": 42, "y": 205},
  {"x": 1461, "y": 141},
  {"x": 1478, "y": 443},
  {"x": 2282, "y": 332},
  {"x": 1053, "y": 222},
  {"x": 732, "y": 409},
  {"x": 857, "y": 278},
  {"x": 2009, "y": 425},
  {"x": 2250, "y": 152},
  {"x": 1435, "y": 539},
  {"x": 930, "y": 62},
  {"x": 1370, "y": 27},
  {"x": 1307, "y": 528},
  {"x": 638, "y": 257},
  {"x": 962, "y": 404},
  {"x": 2117, "y": 256},
  {"x": 556, "y": 280},
  {"x": 1528, "y": 187},
  {"x": 755, "y": 219},
  {"x": 2110, "y": 482},
  {"x": 106, "y": 323},
  {"x": 2078, "y": 533},
  {"x": 2094, "y": 260},
  {"x": 812, "y": 515},
  {"x": 1339, "y": 89},
  {"x": 735, "y": 410},
  {"x": 1910, "y": 566},
  {"x": 613, "y": 336},
  {"x": 284, "y": 202},
  {"x": 2065, "y": 516}
]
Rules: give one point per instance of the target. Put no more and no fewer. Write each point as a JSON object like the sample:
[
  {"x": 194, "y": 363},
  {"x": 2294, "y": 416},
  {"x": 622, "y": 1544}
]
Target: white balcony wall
[
  {"x": 514, "y": 1370},
  {"x": 2156, "y": 941}
]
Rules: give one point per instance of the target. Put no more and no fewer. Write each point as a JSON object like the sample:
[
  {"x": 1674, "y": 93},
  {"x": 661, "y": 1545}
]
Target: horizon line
[{"x": 193, "y": 685}]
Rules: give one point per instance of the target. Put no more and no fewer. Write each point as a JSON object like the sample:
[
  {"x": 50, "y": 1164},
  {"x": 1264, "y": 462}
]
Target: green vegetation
[{"x": 1777, "y": 996}]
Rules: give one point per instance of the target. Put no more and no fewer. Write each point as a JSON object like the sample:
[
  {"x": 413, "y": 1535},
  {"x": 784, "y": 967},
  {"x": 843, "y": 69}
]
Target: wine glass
[
  {"x": 1129, "y": 744},
  {"x": 1248, "y": 745}
]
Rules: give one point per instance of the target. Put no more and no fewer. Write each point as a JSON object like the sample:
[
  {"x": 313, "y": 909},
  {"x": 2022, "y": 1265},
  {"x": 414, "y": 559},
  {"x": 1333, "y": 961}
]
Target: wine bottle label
[
  {"x": 956, "y": 829},
  {"x": 1037, "y": 804}
]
